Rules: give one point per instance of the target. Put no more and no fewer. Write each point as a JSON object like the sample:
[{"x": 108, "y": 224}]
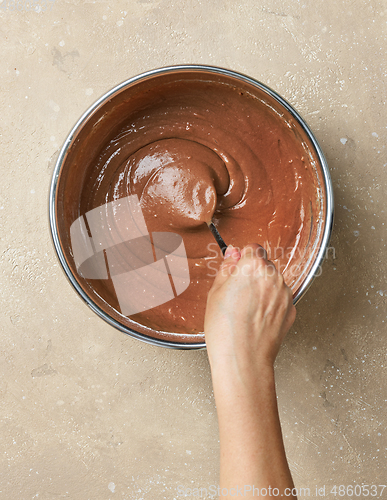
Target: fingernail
[
  {"x": 232, "y": 252},
  {"x": 229, "y": 251}
]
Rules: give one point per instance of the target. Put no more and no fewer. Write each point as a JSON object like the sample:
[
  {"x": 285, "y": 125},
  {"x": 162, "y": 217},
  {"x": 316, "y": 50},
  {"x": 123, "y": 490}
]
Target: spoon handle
[{"x": 219, "y": 239}]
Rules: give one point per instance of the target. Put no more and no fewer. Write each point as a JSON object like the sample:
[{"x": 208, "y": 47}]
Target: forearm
[
  {"x": 251, "y": 445},
  {"x": 249, "y": 311}
]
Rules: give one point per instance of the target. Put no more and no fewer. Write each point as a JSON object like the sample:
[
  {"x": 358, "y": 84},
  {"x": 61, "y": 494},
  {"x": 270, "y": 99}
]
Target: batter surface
[{"x": 204, "y": 151}]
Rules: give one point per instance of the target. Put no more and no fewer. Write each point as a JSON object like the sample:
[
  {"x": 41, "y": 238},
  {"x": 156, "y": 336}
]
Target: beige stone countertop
[{"x": 88, "y": 413}]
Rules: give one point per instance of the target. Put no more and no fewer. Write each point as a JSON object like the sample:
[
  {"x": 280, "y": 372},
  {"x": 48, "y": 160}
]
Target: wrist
[{"x": 231, "y": 379}]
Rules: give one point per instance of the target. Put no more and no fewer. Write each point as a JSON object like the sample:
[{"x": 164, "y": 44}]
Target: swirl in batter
[{"x": 198, "y": 152}]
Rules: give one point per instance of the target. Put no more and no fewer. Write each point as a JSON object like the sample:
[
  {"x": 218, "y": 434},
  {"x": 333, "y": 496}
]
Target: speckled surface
[{"x": 89, "y": 413}]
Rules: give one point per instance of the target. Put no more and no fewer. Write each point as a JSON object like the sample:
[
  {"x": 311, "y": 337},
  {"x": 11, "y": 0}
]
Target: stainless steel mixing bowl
[{"x": 76, "y": 152}]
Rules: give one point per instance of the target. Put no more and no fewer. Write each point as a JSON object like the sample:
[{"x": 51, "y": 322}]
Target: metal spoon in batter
[{"x": 218, "y": 238}]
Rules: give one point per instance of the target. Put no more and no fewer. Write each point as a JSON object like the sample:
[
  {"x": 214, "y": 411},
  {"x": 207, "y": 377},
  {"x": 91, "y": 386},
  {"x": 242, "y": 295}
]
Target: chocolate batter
[{"x": 193, "y": 151}]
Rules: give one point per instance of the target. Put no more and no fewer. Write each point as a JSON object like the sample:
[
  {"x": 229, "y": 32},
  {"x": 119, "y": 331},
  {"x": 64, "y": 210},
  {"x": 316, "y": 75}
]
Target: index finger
[
  {"x": 254, "y": 250},
  {"x": 254, "y": 256}
]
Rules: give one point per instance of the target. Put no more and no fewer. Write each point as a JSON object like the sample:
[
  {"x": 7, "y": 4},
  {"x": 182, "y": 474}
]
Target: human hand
[{"x": 249, "y": 311}]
